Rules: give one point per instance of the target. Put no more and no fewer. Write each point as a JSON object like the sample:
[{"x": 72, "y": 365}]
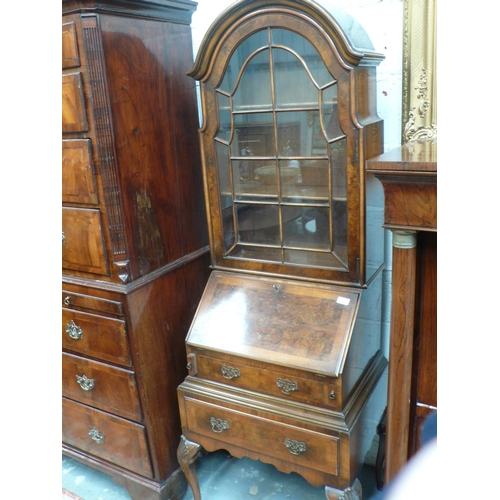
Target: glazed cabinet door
[{"x": 283, "y": 161}]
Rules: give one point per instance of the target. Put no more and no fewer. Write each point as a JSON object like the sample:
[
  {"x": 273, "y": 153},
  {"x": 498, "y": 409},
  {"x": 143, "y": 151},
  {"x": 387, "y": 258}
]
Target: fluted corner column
[{"x": 404, "y": 259}]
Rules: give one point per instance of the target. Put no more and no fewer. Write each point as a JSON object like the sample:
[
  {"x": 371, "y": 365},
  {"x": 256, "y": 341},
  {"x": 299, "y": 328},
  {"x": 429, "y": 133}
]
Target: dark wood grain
[
  {"x": 112, "y": 389},
  {"x": 135, "y": 253},
  {"x": 124, "y": 442}
]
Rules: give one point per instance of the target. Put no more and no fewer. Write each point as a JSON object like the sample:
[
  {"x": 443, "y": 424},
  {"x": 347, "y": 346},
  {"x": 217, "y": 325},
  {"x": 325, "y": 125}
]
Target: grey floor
[{"x": 221, "y": 477}]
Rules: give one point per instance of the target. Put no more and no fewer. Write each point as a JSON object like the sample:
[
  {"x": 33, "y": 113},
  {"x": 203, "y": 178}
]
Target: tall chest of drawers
[{"x": 134, "y": 238}]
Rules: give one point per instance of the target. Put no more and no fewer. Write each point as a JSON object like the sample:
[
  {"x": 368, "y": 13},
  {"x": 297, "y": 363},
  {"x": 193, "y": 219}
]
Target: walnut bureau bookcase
[
  {"x": 284, "y": 350},
  {"x": 135, "y": 255}
]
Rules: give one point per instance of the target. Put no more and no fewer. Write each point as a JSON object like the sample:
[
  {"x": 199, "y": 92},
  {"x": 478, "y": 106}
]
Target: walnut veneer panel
[
  {"x": 122, "y": 442},
  {"x": 78, "y": 178},
  {"x": 97, "y": 336},
  {"x": 270, "y": 319},
  {"x": 106, "y": 387},
  {"x": 260, "y": 377},
  {"x": 70, "y": 57},
  {"x": 267, "y": 437},
  {"x": 74, "y": 115},
  {"x": 83, "y": 240}
]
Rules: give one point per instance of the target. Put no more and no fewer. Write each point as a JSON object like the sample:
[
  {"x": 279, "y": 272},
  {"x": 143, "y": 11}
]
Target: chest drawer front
[
  {"x": 78, "y": 180},
  {"x": 74, "y": 116},
  {"x": 269, "y": 437},
  {"x": 102, "y": 386},
  {"x": 266, "y": 381},
  {"x": 106, "y": 436},
  {"x": 93, "y": 303},
  {"x": 83, "y": 243},
  {"x": 70, "y": 56},
  {"x": 96, "y": 336}
]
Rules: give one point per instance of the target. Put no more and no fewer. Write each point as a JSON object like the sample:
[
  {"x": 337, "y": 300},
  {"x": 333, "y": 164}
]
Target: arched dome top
[{"x": 352, "y": 41}]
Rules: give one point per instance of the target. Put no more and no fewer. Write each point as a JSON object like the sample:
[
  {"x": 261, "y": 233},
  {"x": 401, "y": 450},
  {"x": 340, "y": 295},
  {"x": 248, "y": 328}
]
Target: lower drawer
[
  {"x": 106, "y": 436},
  {"x": 100, "y": 385},
  {"x": 275, "y": 439}
]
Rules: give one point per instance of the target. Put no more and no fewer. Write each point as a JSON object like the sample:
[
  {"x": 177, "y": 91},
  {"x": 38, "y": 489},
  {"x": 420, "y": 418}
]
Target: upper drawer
[
  {"x": 98, "y": 304},
  {"x": 302, "y": 447},
  {"x": 97, "y": 336},
  {"x": 78, "y": 179},
  {"x": 266, "y": 380},
  {"x": 112, "y": 438},
  {"x": 74, "y": 116},
  {"x": 83, "y": 242},
  {"x": 102, "y": 386},
  {"x": 70, "y": 56}
]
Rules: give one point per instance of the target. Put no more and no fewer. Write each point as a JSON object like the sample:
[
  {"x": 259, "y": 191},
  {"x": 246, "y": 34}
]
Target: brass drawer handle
[
  {"x": 74, "y": 331},
  {"x": 295, "y": 447},
  {"x": 63, "y": 238},
  {"x": 67, "y": 300},
  {"x": 219, "y": 425},
  {"x": 332, "y": 395},
  {"x": 287, "y": 386},
  {"x": 87, "y": 384},
  {"x": 96, "y": 435},
  {"x": 229, "y": 372}
]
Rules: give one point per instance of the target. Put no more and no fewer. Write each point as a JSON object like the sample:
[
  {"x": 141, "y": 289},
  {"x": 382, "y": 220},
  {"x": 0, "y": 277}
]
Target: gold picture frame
[{"x": 419, "y": 113}]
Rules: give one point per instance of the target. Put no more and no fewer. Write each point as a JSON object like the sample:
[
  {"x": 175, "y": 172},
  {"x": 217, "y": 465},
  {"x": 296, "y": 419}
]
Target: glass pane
[
  {"x": 339, "y": 169},
  {"x": 225, "y": 195},
  {"x": 224, "y": 132},
  {"x": 315, "y": 226},
  {"x": 223, "y": 164},
  {"x": 306, "y": 52},
  {"x": 254, "y": 135},
  {"x": 299, "y": 133},
  {"x": 314, "y": 179},
  {"x": 240, "y": 55},
  {"x": 254, "y": 89},
  {"x": 258, "y": 224},
  {"x": 292, "y": 228},
  {"x": 266, "y": 178},
  {"x": 330, "y": 114},
  {"x": 288, "y": 68},
  {"x": 257, "y": 253},
  {"x": 255, "y": 180},
  {"x": 340, "y": 229},
  {"x": 291, "y": 181},
  {"x": 313, "y": 259}
]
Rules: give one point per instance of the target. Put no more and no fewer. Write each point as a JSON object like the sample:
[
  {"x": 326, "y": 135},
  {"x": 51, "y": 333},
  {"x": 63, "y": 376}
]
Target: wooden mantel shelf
[
  {"x": 418, "y": 157},
  {"x": 409, "y": 177}
]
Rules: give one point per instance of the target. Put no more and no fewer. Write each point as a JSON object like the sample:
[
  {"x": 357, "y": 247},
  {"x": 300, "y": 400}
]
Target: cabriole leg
[
  {"x": 352, "y": 493},
  {"x": 187, "y": 453}
]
